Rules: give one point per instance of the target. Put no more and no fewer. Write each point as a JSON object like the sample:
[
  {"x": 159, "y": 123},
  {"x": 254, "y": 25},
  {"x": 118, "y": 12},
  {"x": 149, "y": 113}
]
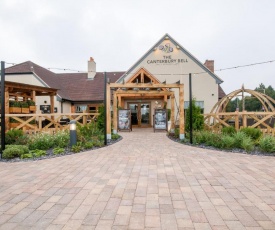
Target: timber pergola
[
  {"x": 146, "y": 90},
  {"x": 23, "y": 92}
]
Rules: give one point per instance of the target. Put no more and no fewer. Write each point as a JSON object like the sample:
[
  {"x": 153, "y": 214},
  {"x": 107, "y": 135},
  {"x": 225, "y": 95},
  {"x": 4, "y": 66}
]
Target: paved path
[{"x": 146, "y": 181}]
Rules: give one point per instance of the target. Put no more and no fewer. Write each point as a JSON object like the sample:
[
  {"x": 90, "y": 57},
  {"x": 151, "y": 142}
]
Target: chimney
[
  {"x": 91, "y": 68},
  {"x": 210, "y": 65}
]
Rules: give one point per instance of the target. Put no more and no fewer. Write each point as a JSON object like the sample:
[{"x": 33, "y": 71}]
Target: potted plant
[
  {"x": 25, "y": 107},
  {"x": 14, "y": 107},
  {"x": 13, "y": 123},
  {"x": 32, "y": 106}
]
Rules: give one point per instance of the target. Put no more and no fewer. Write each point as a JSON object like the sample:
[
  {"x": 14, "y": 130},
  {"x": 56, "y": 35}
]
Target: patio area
[{"x": 145, "y": 181}]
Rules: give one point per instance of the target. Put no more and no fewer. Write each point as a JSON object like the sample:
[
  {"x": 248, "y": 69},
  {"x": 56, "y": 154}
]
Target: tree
[{"x": 197, "y": 117}]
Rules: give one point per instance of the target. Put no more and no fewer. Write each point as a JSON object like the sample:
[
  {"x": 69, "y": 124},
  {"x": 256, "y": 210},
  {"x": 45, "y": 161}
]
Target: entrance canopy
[{"x": 146, "y": 86}]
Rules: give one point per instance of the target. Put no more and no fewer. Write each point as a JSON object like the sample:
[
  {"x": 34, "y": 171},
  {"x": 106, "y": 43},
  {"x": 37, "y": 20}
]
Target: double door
[{"x": 140, "y": 114}]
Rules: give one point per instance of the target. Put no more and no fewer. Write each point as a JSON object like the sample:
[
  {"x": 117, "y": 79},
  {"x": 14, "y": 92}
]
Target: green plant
[
  {"x": 77, "y": 148},
  {"x": 177, "y": 132},
  {"x": 38, "y": 152},
  {"x": 197, "y": 118},
  {"x": 61, "y": 139},
  {"x": 247, "y": 144},
  {"x": 98, "y": 143},
  {"x": 267, "y": 144},
  {"x": 115, "y": 136},
  {"x": 227, "y": 141},
  {"x": 27, "y": 155},
  {"x": 87, "y": 132},
  {"x": 239, "y": 136},
  {"x": 13, "y": 136},
  {"x": 41, "y": 141},
  {"x": 254, "y": 133},
  {"x": 24, "y": 104},
  {"x": 88, "y": 145},
  {"x": 168, "y": 114},
  {"x": 201, "y": 137},
  {"x": 14, "y": 104},
  {"x": 13, "y": 151},
  {"x": 229, "y": 130},
  {"x": 12, "y": 120},
  {"x": 101, "y": 118},
  {"x": 31, "y": 103},
  {"x": 58, "y": 151}
]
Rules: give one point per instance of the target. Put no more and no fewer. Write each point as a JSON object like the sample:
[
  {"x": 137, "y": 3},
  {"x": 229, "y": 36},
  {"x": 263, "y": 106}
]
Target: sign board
[
  {"x": 124, "y": 119},
  {"x": 160, "y": 119},
  {"x": 45, "y": 108}
]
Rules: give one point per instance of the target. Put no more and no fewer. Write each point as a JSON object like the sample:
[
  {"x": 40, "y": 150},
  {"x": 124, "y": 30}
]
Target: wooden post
[
  {"x": 52, "y": 105},
  {"x": 244, "y": 119},
  {"x": 237, "y": 127},
  {"x": 115, "y": 113},
  {"x": 181, "y": 107},
  {"x": 172, "y": 129},
  {"x": 108, "y": 112},
  {"x": 33, "y": 96},
  {"x": 119, "y": 101}
]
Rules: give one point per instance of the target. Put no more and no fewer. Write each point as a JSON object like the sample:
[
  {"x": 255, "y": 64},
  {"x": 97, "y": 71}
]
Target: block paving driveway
[{"x": 145, "y": 181}]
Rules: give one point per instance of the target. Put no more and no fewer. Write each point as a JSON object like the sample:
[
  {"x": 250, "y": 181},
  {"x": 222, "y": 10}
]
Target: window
[{"x": 81, "y": 108}]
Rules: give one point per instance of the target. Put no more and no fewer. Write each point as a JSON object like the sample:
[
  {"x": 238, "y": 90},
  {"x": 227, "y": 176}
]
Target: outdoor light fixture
[
  {"x": 108, "y": 80},
  {"x": 73, "y": 137},
  {"x": 164, "y": 82},
  {"x": 178, "y": 82},
  {"x": 155, "y": 48},
  {"x": 178, "y": 47},
  {"x": 166, "y": 38}
]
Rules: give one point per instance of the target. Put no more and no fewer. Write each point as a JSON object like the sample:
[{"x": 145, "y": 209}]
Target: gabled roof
[
  {"x": 74, "y": 87},
  {"x": 218, "y": 80}
]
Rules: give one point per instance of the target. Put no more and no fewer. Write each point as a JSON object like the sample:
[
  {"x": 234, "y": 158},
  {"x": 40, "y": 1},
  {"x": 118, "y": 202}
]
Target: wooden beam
[
  {"x": 172, "y": 129},
  {"x": 181, "y": 107},
  {"x": 144, "y": 85},
  {"x": 115, "y": 113},
  {"x": 144, "y": 92}
]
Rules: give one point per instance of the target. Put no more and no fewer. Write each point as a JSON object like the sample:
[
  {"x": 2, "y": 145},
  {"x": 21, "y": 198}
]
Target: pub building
[{"x": 165, "y": 63}]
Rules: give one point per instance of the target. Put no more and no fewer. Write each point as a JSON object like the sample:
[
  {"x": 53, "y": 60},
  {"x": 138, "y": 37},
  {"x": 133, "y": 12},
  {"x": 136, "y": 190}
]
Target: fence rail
[
  {"x": 262, "y": 120},
  {"x": 47, "y": 122}
]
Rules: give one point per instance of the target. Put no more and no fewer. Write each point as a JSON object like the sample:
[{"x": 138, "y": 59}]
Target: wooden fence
[
  {"x": 262, "y": 120},
  {"x": 50, "y": 122}
]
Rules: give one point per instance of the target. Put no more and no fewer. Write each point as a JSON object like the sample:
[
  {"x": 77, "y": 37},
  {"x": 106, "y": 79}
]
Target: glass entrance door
[{"x": 140, "y": 114}]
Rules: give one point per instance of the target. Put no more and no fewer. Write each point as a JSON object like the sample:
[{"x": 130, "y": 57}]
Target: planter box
[
  {"x": 25, "y": 110},
  {"x": 32, "y": 108},
  {"x": 14, "y": 125},
  {"x": 15, "y": 110}
]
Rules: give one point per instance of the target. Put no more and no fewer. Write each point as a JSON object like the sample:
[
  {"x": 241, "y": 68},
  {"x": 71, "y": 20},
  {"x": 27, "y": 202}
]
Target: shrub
[
  {"x": 200, "y": 137},
  {"x": 239, "y": 136},
  {"x": 254, "y": 133},
  {"x": 58, "y": 151},
  {"x": 77, "y": 148},
  {"x": 88, "y": 145},
  {"x": 61, "y": 139},
  {"x": 247, "y": 144},
  {"x": 101, "y": 118},
  {"x": 267, "y": 144},
  {"x": 87, "y": 132},
  {"x": 41, "y": 141},
  {"x": 13, "y": 151},
  {"x": 13, "y": 135},
  {"x": 177, "y": 132},
  {"x": 115, "y": 136},
  {"x": 229, "y": 130},
  {"x": 27, "y": 155},
  {"x": 38, "y": 153},
  {"x": 24, "y": 104},
  {"x": 197, "y": 118},
  {"x": 227, "y": 142}
]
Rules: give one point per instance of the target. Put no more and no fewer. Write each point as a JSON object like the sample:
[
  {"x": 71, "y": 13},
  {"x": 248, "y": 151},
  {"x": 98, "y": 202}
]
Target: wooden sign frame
[
  {"x": 124, "y": 119},
  {"x": 160, "y": 119}
]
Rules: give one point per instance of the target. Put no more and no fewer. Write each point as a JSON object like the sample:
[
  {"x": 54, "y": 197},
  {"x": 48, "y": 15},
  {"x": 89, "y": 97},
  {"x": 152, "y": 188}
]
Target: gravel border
[
  {"x": 49, "y": 153},
  {"x": 256, "y": 151}
]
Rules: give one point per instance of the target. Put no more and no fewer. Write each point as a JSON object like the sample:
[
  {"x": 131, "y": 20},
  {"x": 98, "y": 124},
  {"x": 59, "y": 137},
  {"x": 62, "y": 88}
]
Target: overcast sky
[{"x": 116, "y": 33}]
